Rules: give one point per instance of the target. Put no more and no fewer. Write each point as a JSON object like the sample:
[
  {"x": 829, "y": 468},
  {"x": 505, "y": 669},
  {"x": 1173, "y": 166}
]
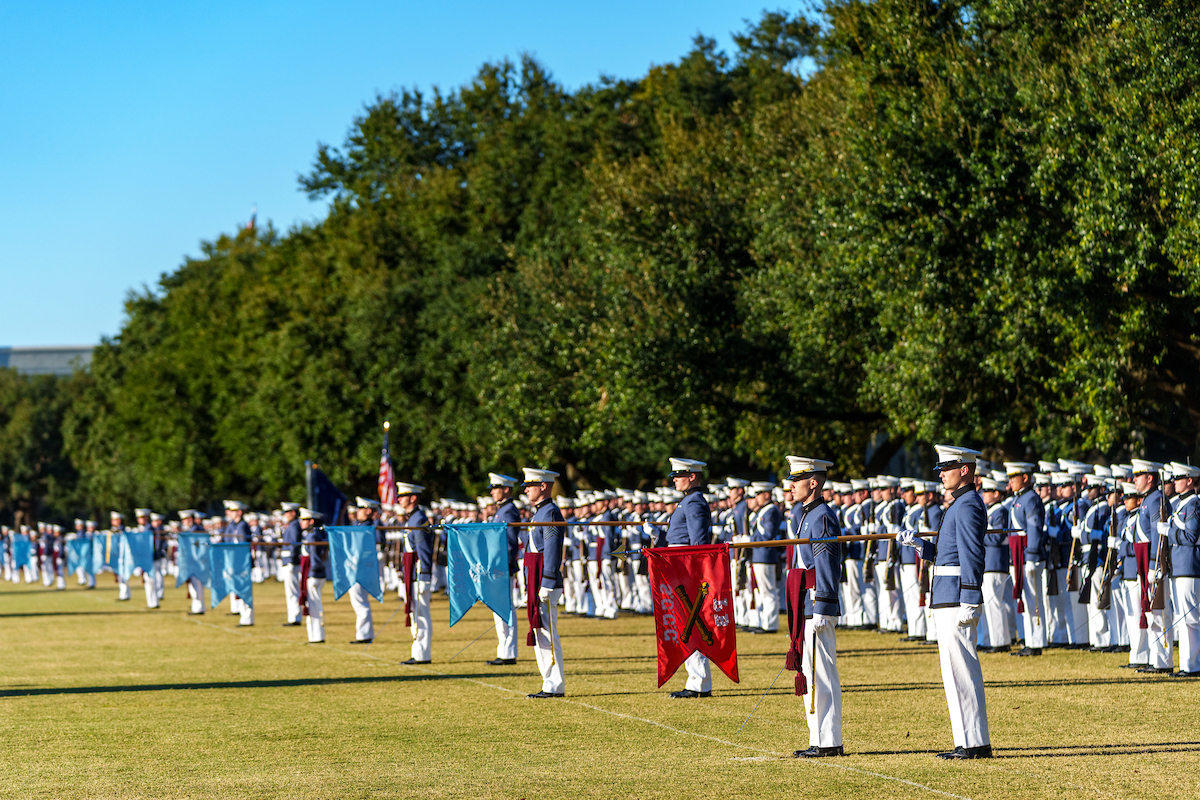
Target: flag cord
[
  {"x": 384, "y": 625},
  {"x": 473, "y": 641},
  {"x": 759, "y": 703}
]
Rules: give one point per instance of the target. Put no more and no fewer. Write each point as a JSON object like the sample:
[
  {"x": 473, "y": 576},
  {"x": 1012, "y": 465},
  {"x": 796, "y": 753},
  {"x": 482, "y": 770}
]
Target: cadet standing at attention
[
  {"x": 420, "y": 542},
  {"x": 501, "y": 489},
  {"x": 691, "y": 524},
  {"x": 543, "y": 560}
]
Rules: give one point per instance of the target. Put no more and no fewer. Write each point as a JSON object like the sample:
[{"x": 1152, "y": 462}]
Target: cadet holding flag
[
  {"x": 501, "y": 489},
  {"x": 955, "y": 599},
  {"x": 691, "y": 524},
  {"x": 313, "y": 573},
  {"x": 366, "y": 513},
  {"x": 543, "y": 561}
]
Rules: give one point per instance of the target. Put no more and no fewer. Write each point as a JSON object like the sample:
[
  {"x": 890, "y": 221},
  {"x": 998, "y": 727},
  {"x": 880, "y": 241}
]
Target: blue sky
[{"x": 132, "y": 132}]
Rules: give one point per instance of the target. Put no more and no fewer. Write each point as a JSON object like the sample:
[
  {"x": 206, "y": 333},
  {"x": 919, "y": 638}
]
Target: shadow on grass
[
  {"x": 911, "y": 687},
  {"x": 260, "y": 684},
  {"x": 71, "y": 613}
]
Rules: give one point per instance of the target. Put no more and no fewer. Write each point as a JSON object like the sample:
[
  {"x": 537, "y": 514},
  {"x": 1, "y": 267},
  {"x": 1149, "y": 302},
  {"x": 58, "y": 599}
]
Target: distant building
[{"x": 61, "y": 360}]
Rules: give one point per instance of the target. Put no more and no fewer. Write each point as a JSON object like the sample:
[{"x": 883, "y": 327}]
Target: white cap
[
  {"x": 142, "y": 512},
  {"x": 403, "y": 489},
  {"x": 1041, "y": 479},
  {"x": 564, "y": 502},
  {"x": 857, "y": 484},
  {"x": 484, "y": 502},
  {"x": 1094, "y": 480},
  {"x": 989, "y": 484},
  {"x": 888, "y": 480},
  {"x": 308, "y": 513},
  {"x": 499, "y": 480},
  {"x": 736, "y": 483},
  {"x": 1129, "y": 488},
  {"x": 1141, "y": 466},
  {"x": 538, "y": 475},
  {"x": 1167, "y": 472},
  {"x": 366, "y": 502},
  {"x": 1074, "y": 467},
  {"x": 1047, "y": 466},
  {"x": 155, "y": 517},
  {"x": 116, "y": 515},
  {"x": 907, "y": 483},
  {"x": 777, "y": 494},
  {"x": 1122, "y": 471},
  {"x": 289, "y": 506},
  {"x": 235, "y": 505},
  {"x": 803, "y": 465},
  {"x": 759, "y": 487},
  {"x": 1182, "y": 471},
  {"x": 1019, "y": 468},
  {"x": 686, "y": 466},
  {"x": 949, "y": 455},
  {"x": 1102, "y": 471},
  {"x": 999, "y": 476},
  {"x": 1061, "y": 478}
]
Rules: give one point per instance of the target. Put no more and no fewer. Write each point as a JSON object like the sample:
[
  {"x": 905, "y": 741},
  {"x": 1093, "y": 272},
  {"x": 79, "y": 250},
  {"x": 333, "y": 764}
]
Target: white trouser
[
  {"x": 316, "y": 611},
  {"x": 766, "y": 597},
  {"x": 547, "y": 647},
  {"x": 151, "y": 585},
  {"x": 47, "y": 573},
  {"x": 521, "y": 586},
  {"x": 246, "y": 611},
  {"x": 642, "y": 602},
  {"x": 1034, "y": 616},
  {"x": 910, "y": 591},
  {"x": 91, "y": 579},
  {"x": 852, "y": 600},
  {"x": 825, "y": 718},
  {"x": 122, "y": 589},
  {"x": 360, "y": 601},
  {"x": 1061, "y": 608},
  {"x": 625, "y": 587},
  {"x": 585, "y": 602},
  {"x": 1099, "y": 632},
  {"x": 888, "y": 599},
  {"x": 1162, "y": 653},
  {"x": 699, "y": 673},
  {"x": 1186, "y": 593},
  {"x": 195, "y": 591},
  {"x": 993, "y": 622},
  {"x": 422, "y": 622},
  {"x": 439, "y": 577},
  {"x": 1139, "y": 643},
  {"x": 962, "y": 677},
  {"x": 608, "y": 579},
  {"x": 870, "y": 597},
  {"x": 1117, "y": 614},
  {"x": 571, "y": 599},
  {"x": 602, "y": 590},
  {"x": 506, "y": 636},
  {"x": 290, "y": 576}
]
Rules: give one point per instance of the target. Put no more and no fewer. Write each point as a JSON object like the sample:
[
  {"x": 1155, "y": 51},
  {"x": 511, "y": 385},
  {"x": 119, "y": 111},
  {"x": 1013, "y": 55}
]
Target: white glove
[
  {"x": 820, "y": 622},
  {"x": 1077, "y": 530},
  {"x": 968, "y": 615},
  {"x": 906, "y": 538},
  {"x": 891, "y": 527},
  {"x": 1163, "y": 528},
  {"x": 1157, "y": 576},
  {"x": 544, "y": 594},
  {"x": 1112, "y": 542}
]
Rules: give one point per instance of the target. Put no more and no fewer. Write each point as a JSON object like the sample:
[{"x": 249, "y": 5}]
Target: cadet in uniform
[
  {"x": 501, "y": 489},
  {"x": 367, "y": 513},
  {"x": 1184, "y": 538},
  {"x": 314, "y": 556},
  {"x": 418, "y": 542},
  {"x": 691, "y": 524},
  {"x": 545, "y": 549},
  {"x": 1028, "y": 515},
  {"x": 994, "y": 633},
  {"x": 1154, "y": 503},
  {"x": 237, "y": 531},
  {"x": 956, "y": 597},
  {"x": 823, "y": 560},
  {"x": 289, "y": 561},
  {"x": 764, "y": 560}
]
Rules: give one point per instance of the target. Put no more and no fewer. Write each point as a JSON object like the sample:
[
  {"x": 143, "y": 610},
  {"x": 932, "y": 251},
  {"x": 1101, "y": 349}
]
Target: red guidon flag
[{"x": 693, "y": 607}]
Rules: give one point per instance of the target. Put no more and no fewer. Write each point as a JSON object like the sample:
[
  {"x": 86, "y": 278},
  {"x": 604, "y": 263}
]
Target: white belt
[{"x": 947, "y": 572}]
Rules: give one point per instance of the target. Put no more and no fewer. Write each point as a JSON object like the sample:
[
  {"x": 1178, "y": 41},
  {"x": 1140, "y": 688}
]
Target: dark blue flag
[{"x": 327, "y": 498}]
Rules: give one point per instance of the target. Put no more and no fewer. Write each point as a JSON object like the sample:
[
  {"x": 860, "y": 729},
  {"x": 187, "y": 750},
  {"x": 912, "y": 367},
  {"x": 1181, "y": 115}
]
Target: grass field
[{"x": 108, "y": 699}]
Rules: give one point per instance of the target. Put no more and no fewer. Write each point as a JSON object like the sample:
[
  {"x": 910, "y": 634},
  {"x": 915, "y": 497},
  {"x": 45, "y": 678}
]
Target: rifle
[
  {"x": 1104, "y": 600},
  {"x": 1053, "y": 556},
  {"x": 1073, "y": 576},
  {"x": 1158, "y": 595},
  {"x": 872, "y": 552},
  {"x": 893, "y": 566}
]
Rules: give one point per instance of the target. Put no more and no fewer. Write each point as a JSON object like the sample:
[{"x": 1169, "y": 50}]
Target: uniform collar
[
  {"x": 811, "y": 505},
  {"x": 960, "y": 491}
]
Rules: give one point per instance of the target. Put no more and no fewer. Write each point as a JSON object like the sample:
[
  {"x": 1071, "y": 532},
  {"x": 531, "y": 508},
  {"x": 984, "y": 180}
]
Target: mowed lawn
[{"x": 107, "y": 699}]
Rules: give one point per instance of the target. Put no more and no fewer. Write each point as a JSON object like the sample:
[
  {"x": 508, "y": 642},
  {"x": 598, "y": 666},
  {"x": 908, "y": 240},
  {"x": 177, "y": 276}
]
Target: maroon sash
[
  {"x": 408, "y": 563},
  {"x": 1016, "y": 548},
  {"x": 920, "y": 586},
  {"x": 1141, "y": 552},
  {"x": 598, "y": 552},
  {"x": 798, "y": 581},
  {"x": 305, "y": 565},
  {"x": 533, "y": 587},
  {"x": 753, "y": 581}
]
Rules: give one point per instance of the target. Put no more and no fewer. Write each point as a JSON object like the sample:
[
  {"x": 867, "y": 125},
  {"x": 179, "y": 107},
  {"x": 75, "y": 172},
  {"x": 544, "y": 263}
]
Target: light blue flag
[
  {"x": 79, "y": 554},
  {"x": 229, "y": 569},
  {"x": 21, "y": 551},
  {"x": 477, "y": 569},
  {"x": 106, "y": 551},
  {"x": 353, "y": 559},
  {"x": 193, "y": 559},
  {"x": 137, "y": 552}
]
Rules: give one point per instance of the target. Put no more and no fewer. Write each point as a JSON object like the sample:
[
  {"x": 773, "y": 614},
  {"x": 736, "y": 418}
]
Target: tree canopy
[{"x": 966, "y": 221}]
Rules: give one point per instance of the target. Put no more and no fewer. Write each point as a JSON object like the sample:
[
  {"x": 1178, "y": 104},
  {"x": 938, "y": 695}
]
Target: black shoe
[
  {"x": 1155, "y": 670},
  {"x": 290, "y": 624},
  {"x": 245, "y": 624},
  {"x": 413, "y": 661},
  {"x": 688, "y": 694},
  {"x": 818, "y": 752},
  {"x": 955, "y": 753},
  {"x": 912, "y": 639},
  {"x": 759, "y": 630},
  {"x": 195, "y": 613},
  {"x": 969, "y": 753},
  {"x": 1097, "y": 649},
  {"x": 318, "y": 641},
  {"x": 1114, "y": 648},
  {"x": 1028, "y": 651},
  {"x": 1124, "y": 648},
  {"x": 1182, "y": 674},
  {"x": 361, "y": 641},
  {"x": 539, "y": 695},
  {"x": 1000, "y": 648},
  {"x": 1134, "y": 666},
  {"x": 501, "y": 662}
]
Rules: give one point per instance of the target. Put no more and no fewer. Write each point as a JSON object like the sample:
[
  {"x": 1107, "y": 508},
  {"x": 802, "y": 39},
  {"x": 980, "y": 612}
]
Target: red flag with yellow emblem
[{"x": 693, "y": 607}]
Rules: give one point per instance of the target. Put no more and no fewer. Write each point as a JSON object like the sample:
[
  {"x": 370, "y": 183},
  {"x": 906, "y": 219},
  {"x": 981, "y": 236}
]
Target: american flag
[{"x": 387, "y": 478}]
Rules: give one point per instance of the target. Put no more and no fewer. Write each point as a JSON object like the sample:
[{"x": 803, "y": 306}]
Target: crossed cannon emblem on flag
[{"x": 693, "y": 614}]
